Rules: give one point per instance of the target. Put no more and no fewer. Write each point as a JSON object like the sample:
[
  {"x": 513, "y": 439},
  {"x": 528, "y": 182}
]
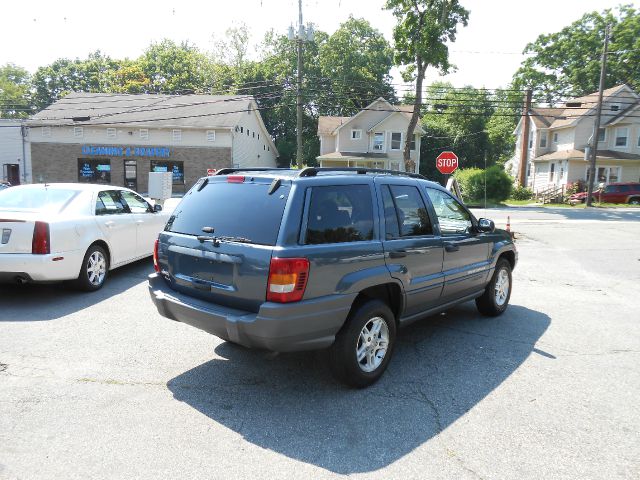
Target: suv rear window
[
  {"x": 339, "y": 214},
  {"x": 243, "y": 210}
]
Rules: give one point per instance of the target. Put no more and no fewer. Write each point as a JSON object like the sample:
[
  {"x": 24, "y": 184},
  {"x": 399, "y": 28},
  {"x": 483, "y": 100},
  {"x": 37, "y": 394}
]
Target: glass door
[{"x": 131, "y": 174}]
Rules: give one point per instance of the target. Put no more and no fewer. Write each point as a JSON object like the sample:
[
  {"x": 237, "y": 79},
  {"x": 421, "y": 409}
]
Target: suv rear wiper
[{"x": 235, "y": 239}]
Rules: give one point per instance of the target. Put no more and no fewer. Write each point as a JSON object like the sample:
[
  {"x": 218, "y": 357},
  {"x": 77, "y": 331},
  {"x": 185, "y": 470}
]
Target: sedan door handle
[
  {"x": 451, "y": 247},
  {"x": 397, "y": 253},
  {"x": 109, "y": 224},
  {"x": 139, "y": 222}
]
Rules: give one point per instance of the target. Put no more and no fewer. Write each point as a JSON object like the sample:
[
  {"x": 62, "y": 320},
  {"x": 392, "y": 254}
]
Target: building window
[
  {"x": 247, "y": 132},
  {"x": 552, "y": 171},
  {"x": 605, "y": 175},
  {"x": 378, "y": 141},
  {"x": 94, "y": 171},
  {"x": 356, "y": 134},
  {"x": 615, "y": 107},
  {"x": 394, "y": 166},
  {"x": 602, "y": 134},
  {"x": 144, "y": 134},
  {"x": 111, "y": 133},
  {"x": 555, "y": 137},
  {"x": 241, "y": 129},
  {"x": 396, "y": 140},
  {"x": 412, "y": 144},
  {"x": 543, "y": 140},
  {"x": 264, "y": 147},
  {"x": 46, "y": 131},
  {"x": 177, "y": 135},
  {"x": 258, "y": 136},
  {"x": 211, "y": 135},
  {"x": 78, "y": 132},
  {"x": 530, "y": 142},
  {"x": 176, "y": 168},
  {"x": 621, "y": 136},
  {"x": 639, "y": 140}
]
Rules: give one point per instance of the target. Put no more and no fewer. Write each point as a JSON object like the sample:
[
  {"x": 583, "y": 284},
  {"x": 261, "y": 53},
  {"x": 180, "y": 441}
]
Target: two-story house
[
  {"x": 559, "y": 141},
  {"x": 373, "y": 138}
]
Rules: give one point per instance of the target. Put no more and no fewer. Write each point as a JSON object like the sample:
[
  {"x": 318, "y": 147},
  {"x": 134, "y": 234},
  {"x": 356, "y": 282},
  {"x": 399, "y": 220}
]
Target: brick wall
[{"x": 55, "y": 162}]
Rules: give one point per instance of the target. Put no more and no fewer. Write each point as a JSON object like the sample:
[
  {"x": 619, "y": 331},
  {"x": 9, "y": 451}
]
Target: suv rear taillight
[
  {"x": 41, "y": 245},
  {"x": 287, "y": 279},
  {"x": 156, "y": 267}
]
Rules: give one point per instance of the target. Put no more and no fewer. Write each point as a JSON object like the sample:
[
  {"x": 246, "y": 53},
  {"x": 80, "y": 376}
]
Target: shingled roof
[{"x": 199, "y": 111}]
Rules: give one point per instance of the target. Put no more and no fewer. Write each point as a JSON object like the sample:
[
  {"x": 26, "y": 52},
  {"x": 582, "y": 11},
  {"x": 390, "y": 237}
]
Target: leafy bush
[
  {"x": 576, "y": 187},
  {"x": 522, "y": 193},
  {"x": 472, "y": 183}
]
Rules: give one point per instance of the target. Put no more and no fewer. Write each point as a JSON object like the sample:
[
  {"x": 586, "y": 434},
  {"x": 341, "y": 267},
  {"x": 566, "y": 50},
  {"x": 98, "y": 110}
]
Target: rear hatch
[{"x": 218, "y": 242}]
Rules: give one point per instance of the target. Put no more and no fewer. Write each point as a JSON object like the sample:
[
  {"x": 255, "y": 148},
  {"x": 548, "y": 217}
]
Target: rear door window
[
  {"x": 405, "y": 212},
  {"x": 110, "y": 202},
  {"x": 340, "y": 213},
  {"x": 242, "y": 210}
]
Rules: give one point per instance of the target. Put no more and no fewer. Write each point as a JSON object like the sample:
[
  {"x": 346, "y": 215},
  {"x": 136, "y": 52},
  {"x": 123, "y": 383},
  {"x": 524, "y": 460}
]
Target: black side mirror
[
  {"x": 157, "y": 208},
  {"x": 485, "y": 225}
]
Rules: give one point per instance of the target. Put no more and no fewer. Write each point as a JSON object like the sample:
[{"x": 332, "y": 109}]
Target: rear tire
[
  {"x": 495, "y": 299},
  {"x": 94, "y": 269},
  {"x": 364, "y": 345}
]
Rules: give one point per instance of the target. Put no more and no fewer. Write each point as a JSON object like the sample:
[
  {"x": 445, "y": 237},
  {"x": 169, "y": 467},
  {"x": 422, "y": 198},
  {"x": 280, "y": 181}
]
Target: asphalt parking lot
[{"x": 100, "y": 386}]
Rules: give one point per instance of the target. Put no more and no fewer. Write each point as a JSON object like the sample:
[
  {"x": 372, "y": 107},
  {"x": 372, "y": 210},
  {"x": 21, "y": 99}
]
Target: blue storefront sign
[{"x": 113, "y": 151}]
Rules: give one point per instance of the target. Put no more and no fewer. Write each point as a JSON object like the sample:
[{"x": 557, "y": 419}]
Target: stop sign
[
  {"x": 447, "y": 162},
  {"x": 211, "y": 171}
]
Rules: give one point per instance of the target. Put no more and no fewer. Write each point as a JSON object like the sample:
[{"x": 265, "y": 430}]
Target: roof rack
[
  {"x": 227, "y": 171},
  {"x": 313, "y": 171}
]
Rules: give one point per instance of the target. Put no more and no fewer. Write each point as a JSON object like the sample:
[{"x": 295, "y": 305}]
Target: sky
[{"x": 487, "y": 52}]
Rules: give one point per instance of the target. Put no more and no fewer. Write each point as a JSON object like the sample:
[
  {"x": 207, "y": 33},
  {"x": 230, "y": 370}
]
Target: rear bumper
[
  {"x": 305, "y": 325},
  {"x": 40, "y": 268}
]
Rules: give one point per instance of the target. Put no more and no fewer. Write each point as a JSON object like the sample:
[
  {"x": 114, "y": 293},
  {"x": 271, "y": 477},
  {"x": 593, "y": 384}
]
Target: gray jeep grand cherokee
[{"x": 317, "y": 258}]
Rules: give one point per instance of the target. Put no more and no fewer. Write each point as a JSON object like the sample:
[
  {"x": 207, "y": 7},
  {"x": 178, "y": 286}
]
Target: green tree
[
  {"x": 421, "y": 34},
  {"x": 174, "y": 68},
  {"x": 52, "y": 82},
  {"x": 355, "y": 62},
  {"x": 567, "y": 63},
  {"x": 129, "y": 78},
  {"x": 15, "y": 101}
]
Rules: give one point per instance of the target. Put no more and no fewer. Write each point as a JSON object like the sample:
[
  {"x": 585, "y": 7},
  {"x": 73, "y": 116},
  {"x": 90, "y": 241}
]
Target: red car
[{"x": 613, "y": 193}]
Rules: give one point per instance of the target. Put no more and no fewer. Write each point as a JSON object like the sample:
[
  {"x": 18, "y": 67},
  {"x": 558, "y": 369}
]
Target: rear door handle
[
  {"x": 139, "y": 222},
  {"x": 109, "y": 224},
  {"x": 397, "y": 254},
  {"x": 451, "y": 247}
]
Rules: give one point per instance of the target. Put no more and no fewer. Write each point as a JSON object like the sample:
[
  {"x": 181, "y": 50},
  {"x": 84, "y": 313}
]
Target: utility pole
[
  {"x": 299, "y": 160},
  {"x": 300, "y": 35},
  {"x": 524, "y": 148},
  {"x": 596, "y": 127}
]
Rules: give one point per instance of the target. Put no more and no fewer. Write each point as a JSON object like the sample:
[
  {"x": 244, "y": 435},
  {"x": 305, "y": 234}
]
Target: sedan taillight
[
  {"x": 287, "y": 279},
  {"x": 156, "y": 267},
  {"x": 41, "y": 243}
]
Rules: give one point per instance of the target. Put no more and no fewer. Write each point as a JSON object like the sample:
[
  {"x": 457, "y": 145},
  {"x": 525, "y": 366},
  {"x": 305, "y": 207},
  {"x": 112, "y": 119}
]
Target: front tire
[
  {"x": 364, "y": 346},
  {"x": 94, "y": 270},
  {"x": 495, "y": 299},
  {"x": 634, "y": 201}
]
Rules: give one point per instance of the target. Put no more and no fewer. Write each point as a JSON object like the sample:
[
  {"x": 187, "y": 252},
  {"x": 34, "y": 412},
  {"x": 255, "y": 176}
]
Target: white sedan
[{"x": 69, "y": 231}]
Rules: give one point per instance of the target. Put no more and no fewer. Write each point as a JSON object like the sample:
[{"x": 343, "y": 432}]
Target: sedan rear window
[
  {"x": 241, "y": 210},
  {"x": 37, "y": 198}
]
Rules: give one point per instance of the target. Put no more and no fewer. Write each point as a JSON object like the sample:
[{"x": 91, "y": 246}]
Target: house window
[
  {"x": 177, "y": 135},
  {"x": 552, "y": 171},
  {"x": 378, "y": 141},
  {"x": 111, "y": 133},
  {"x": 211, "y": 135},
  {"x": 247, "y": 132},
  {"x": 621, "y": 136},
  {"x": 241, "y": 129},
  {"x": 639, "y": 140},
  {"x": 615, "y": 107},
  {"x": 543, "y": 140},
  {"x": 530, "y": 142},
  {"x": 144, "y": 134},
  {"x": 396, "y": 140},
  {"x": 176, "y": 168},
  {"x": 394, "y": 166},
  {"x": 412, "y": 144},
  {"x": 555, "y": 137},
  {"x": 602, "y": 134},
  {"x": 356, "y": 134},
  {"x": 46, "y": 131},
  {"x": 605, "y": 175},
  {"x": 78, "y": 132}
]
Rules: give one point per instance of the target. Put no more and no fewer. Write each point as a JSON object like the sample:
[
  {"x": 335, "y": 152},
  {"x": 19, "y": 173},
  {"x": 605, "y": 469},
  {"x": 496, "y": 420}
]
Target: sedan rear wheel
[{"x": 95, "y": 268}]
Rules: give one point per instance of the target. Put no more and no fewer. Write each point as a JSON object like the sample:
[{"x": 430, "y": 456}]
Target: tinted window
[
  {"x": 232, "y": 209},
  {"x": 406, "y": 204},
  {"x": 136, "y": 203},
  {"x": 109, "y": 202},
  {"x": 452, "y": 216},
  {"x": 94, "y": 171},
  {"x": 340, "y": 214},
  {"x": 36, "y": 197}
]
